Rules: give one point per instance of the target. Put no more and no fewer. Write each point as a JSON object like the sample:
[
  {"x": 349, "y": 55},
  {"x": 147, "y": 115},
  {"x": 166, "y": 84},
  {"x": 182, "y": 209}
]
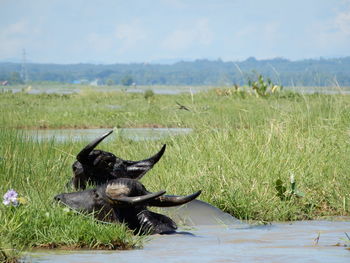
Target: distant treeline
[{"x": 309, "y": 72}]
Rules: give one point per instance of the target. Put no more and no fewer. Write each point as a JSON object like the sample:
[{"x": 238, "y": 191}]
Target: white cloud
[
  {"x": 120, "y": 39},
  {"x": 99, "y": 42},
  {"x": 342, "y": 22},
  {"x": 130, "y": 35},
  {"x": 265, "y": 31},
  {"x": 15, "y": 37},
  {"x": 16, "y": 29},
  {"x": 180, "y": 39},
  {"x": 245, "y": 32},
  {"x": 203, "y": 32},
  {"x": 331, "y": 37},
  {"x": 270, "y": 30}
]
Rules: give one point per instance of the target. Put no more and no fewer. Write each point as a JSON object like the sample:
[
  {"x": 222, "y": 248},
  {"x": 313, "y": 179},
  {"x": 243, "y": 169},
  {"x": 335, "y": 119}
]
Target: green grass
[{"x": 241, "y": 146}]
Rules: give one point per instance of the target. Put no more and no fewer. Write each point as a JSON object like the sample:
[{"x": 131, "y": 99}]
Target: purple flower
[{"x": 11, "y": 198}]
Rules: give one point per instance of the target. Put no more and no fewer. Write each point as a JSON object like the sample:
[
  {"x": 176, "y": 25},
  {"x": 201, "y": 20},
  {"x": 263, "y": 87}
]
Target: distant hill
[{"x": 309, "y": 72}]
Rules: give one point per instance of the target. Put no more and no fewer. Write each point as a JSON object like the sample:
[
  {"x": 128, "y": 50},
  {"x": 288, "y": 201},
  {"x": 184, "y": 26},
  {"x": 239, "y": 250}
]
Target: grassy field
[{"x": 242, "y": 153}]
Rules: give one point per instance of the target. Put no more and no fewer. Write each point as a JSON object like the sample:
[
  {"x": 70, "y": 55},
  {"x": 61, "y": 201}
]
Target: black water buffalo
[
  {"x": 98, "y": 167},
  {"x": 126, "y": 200}
]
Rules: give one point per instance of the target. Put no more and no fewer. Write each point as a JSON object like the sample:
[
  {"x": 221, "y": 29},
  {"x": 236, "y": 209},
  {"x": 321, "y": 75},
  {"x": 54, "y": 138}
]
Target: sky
[{"x": 161, "y": 31}]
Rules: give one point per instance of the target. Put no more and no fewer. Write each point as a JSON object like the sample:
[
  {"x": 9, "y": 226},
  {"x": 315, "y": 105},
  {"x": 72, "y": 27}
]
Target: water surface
[
  {"x": 169, "y": 90},
  {"x": 135, "y": 134},
  {"x": 218, "y": 237}
]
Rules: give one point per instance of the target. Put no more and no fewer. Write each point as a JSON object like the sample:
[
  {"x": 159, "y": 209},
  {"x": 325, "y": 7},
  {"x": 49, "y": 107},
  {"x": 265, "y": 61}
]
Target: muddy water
[
  {"x": 135, "y": 134},
  {"x": 213, "y": 236}
]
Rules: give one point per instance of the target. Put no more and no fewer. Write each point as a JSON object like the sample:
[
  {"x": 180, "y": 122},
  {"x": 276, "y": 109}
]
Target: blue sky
[{"x": 123, "y": 31}]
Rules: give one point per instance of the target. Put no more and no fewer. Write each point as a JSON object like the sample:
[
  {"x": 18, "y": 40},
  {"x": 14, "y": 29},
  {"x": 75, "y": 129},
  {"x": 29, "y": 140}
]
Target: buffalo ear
[{"x": 79, "y": 179}]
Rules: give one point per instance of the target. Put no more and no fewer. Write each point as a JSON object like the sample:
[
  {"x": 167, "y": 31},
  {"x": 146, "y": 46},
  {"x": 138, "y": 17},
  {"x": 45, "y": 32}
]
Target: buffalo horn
[
  {"x": 84, "y": 153},
  {"x": 173, "y": 200},
  {"x": 135, "y": 200},
  {"x": 136, "y": 169}
]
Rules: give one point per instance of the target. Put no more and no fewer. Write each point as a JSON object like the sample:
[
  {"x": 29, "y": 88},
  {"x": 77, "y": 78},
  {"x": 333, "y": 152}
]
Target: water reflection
[{"x": 135, "y": 134}]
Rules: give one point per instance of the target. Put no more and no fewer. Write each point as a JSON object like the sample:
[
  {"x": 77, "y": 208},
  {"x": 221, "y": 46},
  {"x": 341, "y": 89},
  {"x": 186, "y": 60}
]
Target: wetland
[{"x": 280, "y": 158}]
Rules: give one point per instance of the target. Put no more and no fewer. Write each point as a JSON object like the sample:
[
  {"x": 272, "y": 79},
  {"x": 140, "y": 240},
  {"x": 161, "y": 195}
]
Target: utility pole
[{"x": 24, "y": 73}]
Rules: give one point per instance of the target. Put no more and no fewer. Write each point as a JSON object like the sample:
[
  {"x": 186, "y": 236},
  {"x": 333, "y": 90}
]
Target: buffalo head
[
  {"x": 98, "y": 167},
  {"x": 126, "y": 200}
]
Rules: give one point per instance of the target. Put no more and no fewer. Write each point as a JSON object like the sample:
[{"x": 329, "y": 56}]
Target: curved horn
[
  {"x": 136, "y": 169},
  {"x": 155, "y": 158},
  {"x": 173, "y": 200},
  {"x": 136, "y": 200},
  {"x": 84, "y": 153}
]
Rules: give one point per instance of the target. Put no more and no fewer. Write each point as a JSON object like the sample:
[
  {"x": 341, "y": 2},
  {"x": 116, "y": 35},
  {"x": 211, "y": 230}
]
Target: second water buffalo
[
  {"x": 97, "y": 167},
  {"x": 126, "y": 200}
]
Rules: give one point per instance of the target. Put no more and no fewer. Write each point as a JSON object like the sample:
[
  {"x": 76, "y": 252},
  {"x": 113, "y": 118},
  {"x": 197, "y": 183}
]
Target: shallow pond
[
  {"x": 214, "y": 236},
  {"x": 320, "y": 90},
  {"x": 169, "y": 90},
  {"x": 166, "y": 90},
  {"x": 135, "y": 134}
]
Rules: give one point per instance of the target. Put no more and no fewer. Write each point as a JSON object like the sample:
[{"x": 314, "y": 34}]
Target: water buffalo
[
  {"x": 98, "y": 167},
  {"x": 126, "y": 200}
]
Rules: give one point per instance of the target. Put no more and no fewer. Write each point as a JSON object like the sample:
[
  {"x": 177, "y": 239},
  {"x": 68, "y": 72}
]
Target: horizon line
[{"x": 180, "y": 60}]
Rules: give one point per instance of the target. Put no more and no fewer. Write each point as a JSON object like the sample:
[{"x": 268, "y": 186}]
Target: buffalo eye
[{"x": 96, "y": 194}]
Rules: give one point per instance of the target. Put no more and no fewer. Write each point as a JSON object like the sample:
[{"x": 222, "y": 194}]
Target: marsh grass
[
  {"x": 9, "y": 255},
  {"x": 240, "y": 147}
]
